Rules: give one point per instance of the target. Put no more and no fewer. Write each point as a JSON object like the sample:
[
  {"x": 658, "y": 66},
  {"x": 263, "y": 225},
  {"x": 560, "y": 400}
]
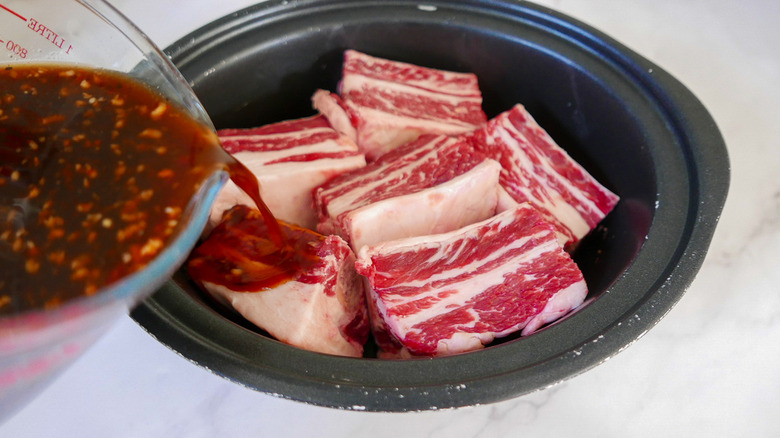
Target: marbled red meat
[
  {"x": 432, "y": 185},
  {"x": 538, "y": 171},
  {"x": 390, "y": 103},
  {"x": 454, "y": 292},
  {"x": 289, "y": 159}
]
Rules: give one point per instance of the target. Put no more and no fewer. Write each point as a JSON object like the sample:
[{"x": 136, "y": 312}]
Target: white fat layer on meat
[
  {"x": 376, "y": 308},
  {"x": 276, "y": 136},
  {"x": 370, "y": 181},
  {"x": 286, "y": 188},
  {"x": 505, "y": 201},
  {"x": 260, "y": 158},
  {"x": 377, "y": 315},
  {"x": 381, "y": 132},
  {"x": 324, "y": 102},
  {"x": 444, "y": 256},
  {"x": 472, "y": 286},
  {"x": 461, "y": 342},
  {"x": 439, "y": 240},
  {"x": 377, "y": 139},
  {"x": 374, "y": 119},
  {"x": 259, "y": 165},
  {"x": 552, "y": 202},
  {"x": 559, "y": 305},
  {"x": 442, "y": 80},
  {"x": 468, "y": 198},
  {"x": 295, "y": 313},
  {"x": 363, "y": 84}
]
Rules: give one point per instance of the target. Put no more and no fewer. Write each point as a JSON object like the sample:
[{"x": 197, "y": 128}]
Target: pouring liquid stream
[{"x": 247, "y": 182}]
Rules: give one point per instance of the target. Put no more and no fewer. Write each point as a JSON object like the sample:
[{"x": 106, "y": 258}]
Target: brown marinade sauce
[
  {"x": 239, "y": 255},
  {"x": 96, "y": 171}
]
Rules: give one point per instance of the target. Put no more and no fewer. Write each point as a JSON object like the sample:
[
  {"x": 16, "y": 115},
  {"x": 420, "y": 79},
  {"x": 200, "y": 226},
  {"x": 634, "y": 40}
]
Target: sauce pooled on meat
[{"x": 239, "y": 255}]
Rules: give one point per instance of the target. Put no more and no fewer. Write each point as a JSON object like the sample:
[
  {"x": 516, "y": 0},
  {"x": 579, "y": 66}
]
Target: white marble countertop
[{"x": 710, "y": 368}]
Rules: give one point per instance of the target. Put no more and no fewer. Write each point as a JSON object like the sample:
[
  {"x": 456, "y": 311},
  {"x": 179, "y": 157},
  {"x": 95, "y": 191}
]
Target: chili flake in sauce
[
  {"x": 96, "y": 171},
  {"x": 239, "y": 255}
]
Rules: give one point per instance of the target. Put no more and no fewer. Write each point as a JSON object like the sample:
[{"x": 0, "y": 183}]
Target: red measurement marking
[
  {"x": 47, "y": 33},
  {"x": 13, "y": 12},
  {"x": 15, "y": 48}
]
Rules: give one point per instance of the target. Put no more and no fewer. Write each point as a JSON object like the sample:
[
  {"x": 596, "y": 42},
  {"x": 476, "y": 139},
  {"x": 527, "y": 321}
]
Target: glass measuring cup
[{"x": 36, "y": 345}]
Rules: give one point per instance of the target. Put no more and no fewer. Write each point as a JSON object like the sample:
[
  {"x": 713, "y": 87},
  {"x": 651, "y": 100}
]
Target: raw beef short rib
[
  {"x": 455, "y": 292},
  {"x": 538, "y": 171},
  {"x": 432, "y": 185},
  {"x": 321, "y": 308},
  {"x": 333, "y": 107},
  {"x": 289, "y": 159},
  {"x": 391, "y": 103}
]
